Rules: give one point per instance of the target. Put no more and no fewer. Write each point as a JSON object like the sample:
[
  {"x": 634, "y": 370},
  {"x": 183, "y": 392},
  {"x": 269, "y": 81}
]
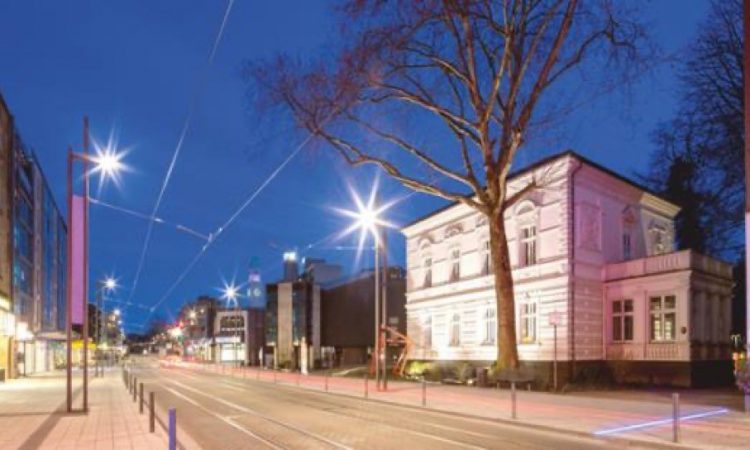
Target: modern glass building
[{"x": 38, "y": 265}]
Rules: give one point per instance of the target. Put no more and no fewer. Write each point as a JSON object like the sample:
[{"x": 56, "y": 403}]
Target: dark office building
[{"x": 348, "y": 315}]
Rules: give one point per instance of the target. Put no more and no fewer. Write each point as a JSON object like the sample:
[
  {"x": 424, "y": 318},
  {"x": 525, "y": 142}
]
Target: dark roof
[{"x": 541, "y": 162}]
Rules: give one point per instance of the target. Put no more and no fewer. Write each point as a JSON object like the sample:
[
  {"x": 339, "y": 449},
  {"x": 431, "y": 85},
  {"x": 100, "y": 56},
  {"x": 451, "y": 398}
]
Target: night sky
[{"x": 135, "y": 68}]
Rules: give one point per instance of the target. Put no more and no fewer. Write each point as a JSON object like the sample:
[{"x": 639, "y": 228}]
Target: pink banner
[{"x": 76, "y": 259}]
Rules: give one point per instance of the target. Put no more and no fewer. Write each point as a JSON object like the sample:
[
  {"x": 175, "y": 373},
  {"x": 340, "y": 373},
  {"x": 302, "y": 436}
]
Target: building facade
[
  {"x": 292, "y": 324},
  {"x": 593, "y": 262},
  {"x": 197, "y": 320},
  {"x": 348, "y": 316},
  {"x": 32, "y": 260},
  {"x": 7, "y": 316}
]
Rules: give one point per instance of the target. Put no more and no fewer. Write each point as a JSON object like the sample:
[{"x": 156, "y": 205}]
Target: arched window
[
  {"x": 426, "y": 255},
  {"x": 427, "y": 332},
  {"x": 427, "y": 268},
  {"x": 526, "y": 217},
  {"x": 490, "y": 326},
  {"x": 628, "y": 227},
  {"x": 455, "y": 255},
  {"x": 455, "y": 331},
  {"x": 485, "y": 257}
]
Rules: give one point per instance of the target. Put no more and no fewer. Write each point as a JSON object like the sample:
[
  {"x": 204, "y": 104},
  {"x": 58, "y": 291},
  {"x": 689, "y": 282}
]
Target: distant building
[
  {"x": 291, "y": 269},
  {"x": 590, "y": 251},
  {"x": 348, "y": 315},
  {"x": 231, "y": 331},
  {"x": 197, "y": 319},
  {"x": 292, "y": 324},
  {"x": 256, "y": 293},
  {"x": 320, "y": 271}
]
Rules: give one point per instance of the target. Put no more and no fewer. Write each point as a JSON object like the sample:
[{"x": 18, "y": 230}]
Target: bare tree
[
  {"x": 707, "y": 136},
  {"x": 476, "y": 71}
]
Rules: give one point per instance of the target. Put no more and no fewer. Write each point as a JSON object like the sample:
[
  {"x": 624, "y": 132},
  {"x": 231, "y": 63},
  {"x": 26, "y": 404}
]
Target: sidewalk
[
  {"x": 33, "y": 415},
  {"x": 638, "y": 417}
]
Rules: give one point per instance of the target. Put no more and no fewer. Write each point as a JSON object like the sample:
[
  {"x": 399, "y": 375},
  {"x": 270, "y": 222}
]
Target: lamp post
[
  {"x": 104, "y": 286},
  {"x": 107, "y": 163},
  {"x": 368, "y": 221}
]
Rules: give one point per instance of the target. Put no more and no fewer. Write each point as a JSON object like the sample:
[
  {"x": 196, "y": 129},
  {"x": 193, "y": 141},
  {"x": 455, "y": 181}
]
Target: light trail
[
  {"x": 178, "y": 148},
  {"x": 656, "y": 423}
]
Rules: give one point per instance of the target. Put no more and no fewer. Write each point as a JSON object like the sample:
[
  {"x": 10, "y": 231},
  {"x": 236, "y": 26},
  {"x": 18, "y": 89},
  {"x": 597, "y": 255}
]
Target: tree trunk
[{"x": 507, "y": 350}]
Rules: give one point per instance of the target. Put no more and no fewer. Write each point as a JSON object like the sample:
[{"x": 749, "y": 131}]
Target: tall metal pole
[
  {"x": 100, "y": 324},
  {"x": 384, "y": 318},
  {"x": 746, "y": 64},
  {"x": 86, "y": 265},
  {"x": 68, "y": 290},
  {"x": 376, "y": 350}
]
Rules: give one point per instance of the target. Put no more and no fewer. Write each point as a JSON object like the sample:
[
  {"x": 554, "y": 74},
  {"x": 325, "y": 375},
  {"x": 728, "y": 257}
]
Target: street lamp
[
  {"x": 231, "y": 294},
  {"x": 105, "y": 286},
  {"x": 368, "y": 220},
  {"x": 107, "y": 163}
]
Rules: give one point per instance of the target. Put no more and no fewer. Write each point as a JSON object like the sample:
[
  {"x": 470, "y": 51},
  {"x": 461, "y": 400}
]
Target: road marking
[
  {"x": 262, "y": 416},
  {"x": 224, "y": 419},
  {"x": 418, "y": 433}
]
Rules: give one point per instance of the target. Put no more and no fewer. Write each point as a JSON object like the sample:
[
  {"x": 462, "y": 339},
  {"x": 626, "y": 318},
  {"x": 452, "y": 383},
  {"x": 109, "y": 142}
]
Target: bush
[
  {"x": 463, "y": 371},
  {"x": 742, "y": 377},
  {"x": 419, "y": 369}
]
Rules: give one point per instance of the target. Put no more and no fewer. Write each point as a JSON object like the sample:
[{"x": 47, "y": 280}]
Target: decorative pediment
[
  {"x": 453, "y": 230},
  {"x": 525, "y": 207},
  {"x": 425, "y": 244}
]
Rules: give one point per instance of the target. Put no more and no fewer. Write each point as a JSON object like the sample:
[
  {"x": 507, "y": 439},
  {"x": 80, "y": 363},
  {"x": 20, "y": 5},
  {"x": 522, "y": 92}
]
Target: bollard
[
  {"x": 675, "y": 417},
  {"x": 328, "y": 372},
  {"x": 298, "y": 375},
  {"x": 140, "y": 398},
  {"x": 367, "y": 379},
  {"x": 528, "y": 387},
  {"x": 135, "y": 389},
  {"x": 172, "y": 429},
  {"x": 513, "y": 399},
  {"x": 257, "y": 374},
  {"x": 151, "y": 415},
  {"x": 424, "y": 392}
]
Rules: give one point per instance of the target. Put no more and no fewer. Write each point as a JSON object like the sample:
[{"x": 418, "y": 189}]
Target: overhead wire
[
  {"x": 178, "y": 148},
  {"x": 145, "y": 216},
  {"x": 226, "y": 224}
]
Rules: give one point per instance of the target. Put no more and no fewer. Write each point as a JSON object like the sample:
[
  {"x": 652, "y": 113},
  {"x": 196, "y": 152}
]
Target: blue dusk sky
[{"x": 135, "y": 68}]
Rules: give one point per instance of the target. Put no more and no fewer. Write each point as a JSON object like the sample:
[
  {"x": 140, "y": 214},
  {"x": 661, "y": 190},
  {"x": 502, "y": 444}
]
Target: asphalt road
[{"x": 219, "y": 412}]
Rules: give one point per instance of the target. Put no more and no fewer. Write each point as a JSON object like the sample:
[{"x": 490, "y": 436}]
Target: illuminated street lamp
[
  {"x": 106, "y": 285},
  {"x": 107, "y": 163},
  {"x": 368, "y": 220}
]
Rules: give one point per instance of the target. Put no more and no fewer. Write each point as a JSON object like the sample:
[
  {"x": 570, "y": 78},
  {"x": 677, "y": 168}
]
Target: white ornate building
[{"x": 590, "y": 248}]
